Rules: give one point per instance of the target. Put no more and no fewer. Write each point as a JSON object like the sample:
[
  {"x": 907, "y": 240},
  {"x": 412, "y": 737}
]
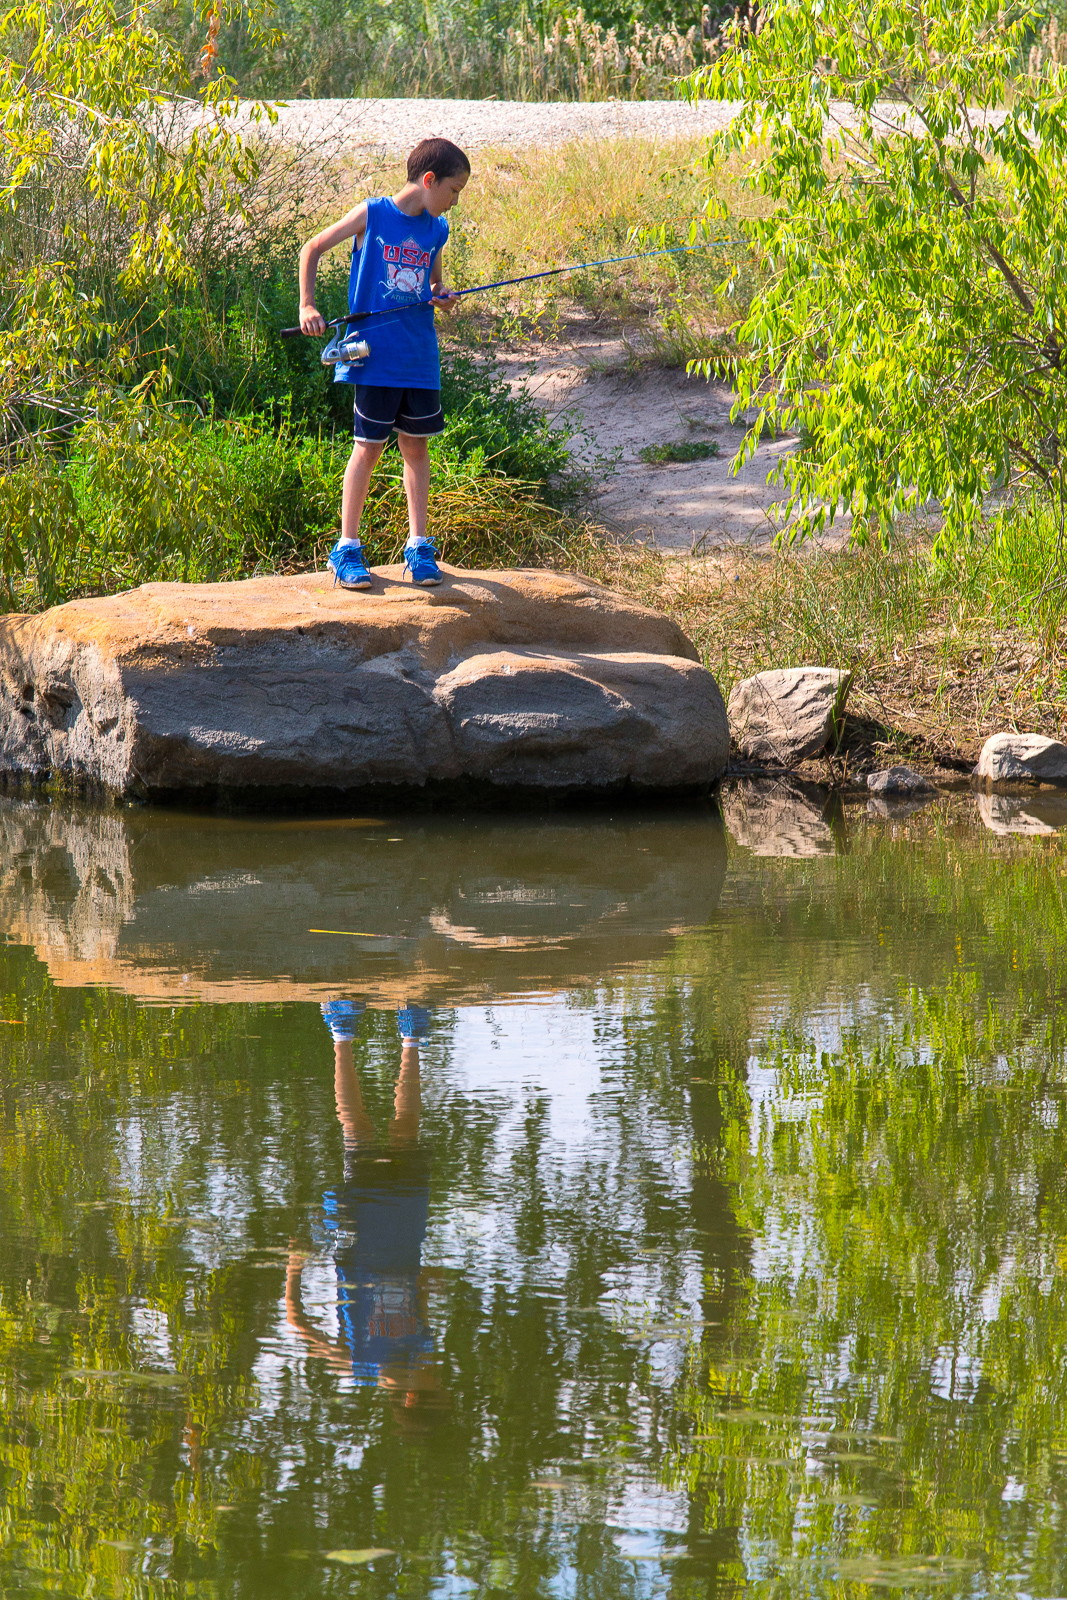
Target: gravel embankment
[{"x": 391, "y": 127}]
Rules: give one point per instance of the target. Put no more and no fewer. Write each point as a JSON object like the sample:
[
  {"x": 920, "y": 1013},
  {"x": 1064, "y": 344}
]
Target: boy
[
  {"x": 396, "y": 261},
  {"x": 377, "y": 1219}
]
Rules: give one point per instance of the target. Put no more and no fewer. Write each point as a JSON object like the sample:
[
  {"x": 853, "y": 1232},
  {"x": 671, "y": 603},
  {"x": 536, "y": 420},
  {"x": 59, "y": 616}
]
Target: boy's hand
[
  {"x": 445, "y": 299},
  {"x": 311, "y": 321}
]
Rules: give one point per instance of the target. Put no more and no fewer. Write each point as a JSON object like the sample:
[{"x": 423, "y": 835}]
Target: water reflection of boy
[{"x": 378, "y": 1219}]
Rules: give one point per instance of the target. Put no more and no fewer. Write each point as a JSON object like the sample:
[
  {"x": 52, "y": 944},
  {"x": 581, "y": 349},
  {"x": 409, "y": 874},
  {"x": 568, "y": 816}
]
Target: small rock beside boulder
[
  {"x": 785, "y": 716},
  {"x": 900, "y": 781},
  {"x": 1010, "y": 759}
]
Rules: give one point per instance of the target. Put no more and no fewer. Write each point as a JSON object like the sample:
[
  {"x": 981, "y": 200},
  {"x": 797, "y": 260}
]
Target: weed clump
[{"x": 680, "y": 450}]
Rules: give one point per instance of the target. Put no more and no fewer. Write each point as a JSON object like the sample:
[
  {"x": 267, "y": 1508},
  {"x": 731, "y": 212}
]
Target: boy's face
[{"x": 441, "y": 195}]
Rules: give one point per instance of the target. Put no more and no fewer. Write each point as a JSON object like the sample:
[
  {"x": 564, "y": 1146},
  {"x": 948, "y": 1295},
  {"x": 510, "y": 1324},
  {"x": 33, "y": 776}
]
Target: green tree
[
  {"x": 913, "y": 228},
  {"x": 110, "y": 159}
]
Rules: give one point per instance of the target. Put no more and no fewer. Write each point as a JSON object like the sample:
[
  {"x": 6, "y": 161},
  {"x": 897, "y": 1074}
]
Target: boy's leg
[
  {"x": 407, "y": 1099},
  {"x": 344, "y": 1018},
  {"x": 419, "y": 553},
  {"x": 416, "y": 454},
  {"x": 361, "y": 465},
  {"x": 351, "y": 1114}
]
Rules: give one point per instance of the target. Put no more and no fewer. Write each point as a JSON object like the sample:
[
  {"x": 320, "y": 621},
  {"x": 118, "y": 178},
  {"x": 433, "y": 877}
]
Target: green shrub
[{"x": 145, "y": 496}]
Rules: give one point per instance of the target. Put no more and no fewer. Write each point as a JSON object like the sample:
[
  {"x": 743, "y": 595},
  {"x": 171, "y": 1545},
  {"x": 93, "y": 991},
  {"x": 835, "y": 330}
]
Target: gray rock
[
  {"x": 902, "y": 781},
  {"x": 524, "y": 718},
  {"x": 1010, "y": 759},
  {"x": 510, "y": 679},
  {"x": 896, "y": 810},
  {"x": 786, "y": 716}
]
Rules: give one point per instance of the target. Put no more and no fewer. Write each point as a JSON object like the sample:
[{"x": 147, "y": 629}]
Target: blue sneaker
[
  {"x": 343, "y": 1017},
  {"x": 413, "y": 1024},
  {"x": 349, "y": 569},
  {"x": 421, "y": 562}
]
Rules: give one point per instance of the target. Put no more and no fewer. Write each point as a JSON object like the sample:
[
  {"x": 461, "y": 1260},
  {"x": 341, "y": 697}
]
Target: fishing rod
[{"x": 336, "y": 351}]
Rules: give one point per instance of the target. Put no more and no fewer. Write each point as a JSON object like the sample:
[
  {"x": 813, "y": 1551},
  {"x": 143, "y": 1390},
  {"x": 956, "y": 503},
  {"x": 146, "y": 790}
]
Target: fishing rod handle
[{"x": 336, "y": 322}]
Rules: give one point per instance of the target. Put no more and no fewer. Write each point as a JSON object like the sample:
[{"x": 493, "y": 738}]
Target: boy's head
[{"x": 440, "y": 169}]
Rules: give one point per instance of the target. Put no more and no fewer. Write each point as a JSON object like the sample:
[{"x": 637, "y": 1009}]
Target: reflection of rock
[
  {"x": 174, "y": 907},
  {"x": 778, "y": 817},
  {"x": 901, "y": 782},
  {"x": 1010, "y": 759},
  {"x": 896, "y": 810},
  {"x": 531, "y": 679},
  {"x": 783, "y": 717},
  {"x": 1039, "y": 813}
]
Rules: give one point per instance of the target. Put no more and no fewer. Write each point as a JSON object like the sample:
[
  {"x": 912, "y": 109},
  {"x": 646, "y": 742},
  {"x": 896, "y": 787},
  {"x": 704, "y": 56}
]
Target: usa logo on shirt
[{"x": 406, "y": 269}]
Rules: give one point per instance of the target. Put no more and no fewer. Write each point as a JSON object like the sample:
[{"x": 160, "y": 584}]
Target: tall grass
[
  {"x": 330, "y": 52},
  {"x": 164, "y": 493},
  {"x": 528, "y": 209},
  {"x": 231, "y": 498}
]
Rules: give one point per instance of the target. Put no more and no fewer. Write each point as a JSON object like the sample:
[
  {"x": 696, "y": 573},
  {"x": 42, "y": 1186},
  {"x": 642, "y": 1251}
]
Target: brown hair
[{"x": 439, "y": 156}]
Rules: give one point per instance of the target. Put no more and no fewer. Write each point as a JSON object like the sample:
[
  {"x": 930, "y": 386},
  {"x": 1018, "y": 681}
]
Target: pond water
[{"x": 708, "y": 1234}]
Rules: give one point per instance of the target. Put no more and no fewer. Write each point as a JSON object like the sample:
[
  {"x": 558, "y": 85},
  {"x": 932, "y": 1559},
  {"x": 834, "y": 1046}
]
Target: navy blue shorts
[{"x": 379, "y": 411}]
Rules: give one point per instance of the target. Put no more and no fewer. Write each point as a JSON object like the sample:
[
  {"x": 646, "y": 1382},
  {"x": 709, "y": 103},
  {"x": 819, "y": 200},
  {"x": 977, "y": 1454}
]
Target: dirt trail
[{"x": 698, "y": 506}]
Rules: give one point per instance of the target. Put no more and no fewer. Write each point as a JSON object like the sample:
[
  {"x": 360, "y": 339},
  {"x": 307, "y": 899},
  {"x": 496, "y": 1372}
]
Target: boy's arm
[
  {"x": 439, "y": 295},
  {"x": 352, "y": 226},
  {"x": 331, "y": 1351}
]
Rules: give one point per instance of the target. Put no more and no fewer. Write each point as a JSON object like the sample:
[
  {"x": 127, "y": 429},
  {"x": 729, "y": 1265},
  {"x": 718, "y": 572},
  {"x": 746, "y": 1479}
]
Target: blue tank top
[{"x": 393, "y": 270}]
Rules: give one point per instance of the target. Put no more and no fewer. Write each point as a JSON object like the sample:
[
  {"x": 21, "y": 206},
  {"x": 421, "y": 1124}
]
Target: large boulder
[
  {"x": 522, "y": 680},
  {"x": 785, "y": 716},
  {"x": 1010, "y": 759}
]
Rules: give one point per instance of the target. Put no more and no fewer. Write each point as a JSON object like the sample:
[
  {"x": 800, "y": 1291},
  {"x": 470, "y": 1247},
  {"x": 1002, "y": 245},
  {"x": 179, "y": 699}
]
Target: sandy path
[
  {"x": 701, "y": 505},
  {"x": 392, "y": 127}
]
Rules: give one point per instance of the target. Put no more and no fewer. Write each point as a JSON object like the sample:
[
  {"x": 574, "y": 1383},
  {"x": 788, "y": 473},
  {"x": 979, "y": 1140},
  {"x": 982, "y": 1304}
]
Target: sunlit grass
[
  {"x": 527, "y": 210},
  {"x": 946, "y": 649}
]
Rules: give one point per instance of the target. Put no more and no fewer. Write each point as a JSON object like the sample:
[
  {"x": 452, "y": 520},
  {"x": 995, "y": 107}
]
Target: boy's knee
[
  {"x": 367, "y": 450},
  {"x": 412, "y": 447}
]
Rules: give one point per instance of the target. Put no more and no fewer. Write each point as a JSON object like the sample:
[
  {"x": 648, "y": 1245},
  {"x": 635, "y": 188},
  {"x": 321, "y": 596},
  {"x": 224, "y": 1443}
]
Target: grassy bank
[
  {"x": 599, "y": 198},
  {"x": 946, "y": 649}
]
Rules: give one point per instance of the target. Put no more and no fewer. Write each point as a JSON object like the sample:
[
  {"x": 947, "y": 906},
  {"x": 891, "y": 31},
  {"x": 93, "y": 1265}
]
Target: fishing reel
[{"x": 347, "y": 347}]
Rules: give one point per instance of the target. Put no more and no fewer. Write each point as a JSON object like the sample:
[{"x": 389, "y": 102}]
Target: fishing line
[{"x": 506, "y": 283}]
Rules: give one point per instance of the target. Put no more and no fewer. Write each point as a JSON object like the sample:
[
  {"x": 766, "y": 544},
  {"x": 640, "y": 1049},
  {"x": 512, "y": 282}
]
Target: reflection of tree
[
  {"x": 902, "y": 1352},
  {"x": 152, "y": 1163},
  {"x": 849, "y": 1207}
]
